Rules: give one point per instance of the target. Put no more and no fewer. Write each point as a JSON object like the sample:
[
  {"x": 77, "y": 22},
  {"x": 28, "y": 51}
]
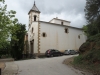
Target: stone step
[{"x": 6, "y": 60}]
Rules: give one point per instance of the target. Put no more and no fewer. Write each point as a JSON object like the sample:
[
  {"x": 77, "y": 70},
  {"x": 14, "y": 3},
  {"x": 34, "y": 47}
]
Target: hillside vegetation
[
  {"x": 89, "y": 52},
  {"x": 89, "y": 55}
]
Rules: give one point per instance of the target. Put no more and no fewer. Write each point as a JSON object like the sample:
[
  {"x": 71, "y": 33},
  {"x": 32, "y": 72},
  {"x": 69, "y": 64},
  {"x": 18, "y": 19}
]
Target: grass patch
[
  {"x": 86, "y": 62},
  {"x": 78, "y": 60}
]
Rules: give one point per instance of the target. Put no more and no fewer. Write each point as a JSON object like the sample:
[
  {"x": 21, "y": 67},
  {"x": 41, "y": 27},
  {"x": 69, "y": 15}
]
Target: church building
[{"x": 55, "y": 34}]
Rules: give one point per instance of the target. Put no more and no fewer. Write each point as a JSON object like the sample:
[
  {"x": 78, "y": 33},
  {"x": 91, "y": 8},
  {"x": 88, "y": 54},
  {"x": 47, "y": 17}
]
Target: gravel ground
[
  {"x": 47, "y": 66},
  {"x": 2, "y": 65}
]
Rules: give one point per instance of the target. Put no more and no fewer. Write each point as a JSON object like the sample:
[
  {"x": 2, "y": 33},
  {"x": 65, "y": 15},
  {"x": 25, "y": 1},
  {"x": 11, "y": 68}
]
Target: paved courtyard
[{"x": 47, "y": 66}]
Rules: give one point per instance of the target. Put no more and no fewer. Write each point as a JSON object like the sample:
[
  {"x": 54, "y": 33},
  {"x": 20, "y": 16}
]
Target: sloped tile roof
[{"x": 34, "y": 8}]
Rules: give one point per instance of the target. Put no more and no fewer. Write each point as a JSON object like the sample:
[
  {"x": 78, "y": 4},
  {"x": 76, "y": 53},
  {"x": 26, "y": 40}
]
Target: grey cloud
[
  {"x": 72, "y": 10},
  {"x": 52, "y": 6},
  {"x": 62, "y": 5}
]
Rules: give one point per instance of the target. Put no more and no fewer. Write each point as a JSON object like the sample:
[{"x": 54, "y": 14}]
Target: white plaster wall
[
  {"x": 30, "y": 18},
  {"x": 59, "y": 22},
  {"x": 64, "y": 22},
  {"x": 34, "y": 34},
  {"x": 74, "y": 41},
  {"x": 58, "y": 39}
]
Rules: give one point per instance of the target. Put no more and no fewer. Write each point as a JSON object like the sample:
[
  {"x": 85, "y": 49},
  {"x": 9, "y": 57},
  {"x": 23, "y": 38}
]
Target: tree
[
  {"x": 7, "y": 22},
  {"x": 11, "y": 33},
  {"x": 5, "y": 50},
  {"x": 17, "y": 46},
  {"x": 89, "y": 30},
  {"x": 92, "y": 10},
  {"x": 92, "y": 13},
  {"x": 7, "y": 27}
]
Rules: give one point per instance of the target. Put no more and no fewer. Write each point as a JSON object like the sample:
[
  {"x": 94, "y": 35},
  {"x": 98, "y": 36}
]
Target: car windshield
[
  {"x": 56, "y": 50},
  {"x": 72, "y": 50}
]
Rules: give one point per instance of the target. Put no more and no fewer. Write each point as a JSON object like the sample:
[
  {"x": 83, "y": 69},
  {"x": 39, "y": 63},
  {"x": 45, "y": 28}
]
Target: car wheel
[{"x": 61, "y": 54}]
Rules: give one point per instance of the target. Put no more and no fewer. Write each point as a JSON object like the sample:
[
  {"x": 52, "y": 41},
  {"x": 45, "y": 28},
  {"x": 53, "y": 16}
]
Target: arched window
[
  {"x": 61, "y": 23},
  {"x": 34, "y": 17},
  {"x": 32, "y": 30},
  {"x": 79, "y": 36},
  {"x": 44, "y": 34},
  {"x": 66, "y": 30}
]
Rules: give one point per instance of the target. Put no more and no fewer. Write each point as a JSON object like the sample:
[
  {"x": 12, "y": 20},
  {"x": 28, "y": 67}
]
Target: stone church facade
[{"x": 55, "y": 34}]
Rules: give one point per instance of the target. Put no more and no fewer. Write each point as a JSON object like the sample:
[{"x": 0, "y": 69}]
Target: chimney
[{"x": 56, "y": 17}]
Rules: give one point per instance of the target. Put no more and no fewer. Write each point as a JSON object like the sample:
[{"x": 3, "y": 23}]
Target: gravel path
[
  {"x": 47, "y": 66},
  {"x": 2, "y": 65},
  {"x": 10, "y": 69}
]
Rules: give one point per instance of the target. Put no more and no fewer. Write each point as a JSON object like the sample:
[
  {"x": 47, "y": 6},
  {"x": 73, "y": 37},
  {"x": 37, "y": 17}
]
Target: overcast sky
[{"x": 70, "y": 10}]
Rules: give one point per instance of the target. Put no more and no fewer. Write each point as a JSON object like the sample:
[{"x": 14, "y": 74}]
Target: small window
[
  {"x": 34, "y": 17},
  {"x": 29, "y": 25},
  {"x": 32, "y": 30},
  {"x": 44, "y": 34},
  {"x": 79, "y": 36},
  {"x": 66, "y": 30},
  {"x": 61, "y": 23}
]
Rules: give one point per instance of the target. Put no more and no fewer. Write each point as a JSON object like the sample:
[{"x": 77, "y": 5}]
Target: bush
[
  {"x": 78, "y": 59},
  {"x": 93, "y": 56}
]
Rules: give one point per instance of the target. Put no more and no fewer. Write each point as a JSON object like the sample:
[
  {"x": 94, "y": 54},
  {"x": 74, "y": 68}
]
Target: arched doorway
[{"x": 32, "y": 46}]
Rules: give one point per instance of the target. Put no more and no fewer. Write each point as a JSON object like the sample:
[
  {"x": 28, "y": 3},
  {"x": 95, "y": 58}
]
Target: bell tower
[{"x": 34, "y": 14}]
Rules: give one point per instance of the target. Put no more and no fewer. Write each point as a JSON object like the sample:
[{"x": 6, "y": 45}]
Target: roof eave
[
  {"x": 34, "y": 11},
  {"x": 62, "y": 20}
]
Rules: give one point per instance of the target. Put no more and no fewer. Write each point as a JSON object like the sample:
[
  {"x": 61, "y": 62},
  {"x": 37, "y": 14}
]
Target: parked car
[
  {"x": 77, "y": 52},
  {"x": 53, "y": 52},
  {"x": 69, "y": 52},
  {"x": 72, "y": 52},
  {"x": 66, "y": 52}
]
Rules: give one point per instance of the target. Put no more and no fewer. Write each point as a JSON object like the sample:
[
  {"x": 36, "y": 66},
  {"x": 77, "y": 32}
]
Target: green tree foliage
[
  {"x": 7, "y": 22},
  {"x": 85, "y": 30},
  {"x": 90, "y": 30},
  {"x": 7, "y": 27},
  {"x": 5, "y": 50},
  {"x": 2, "y": 1},
  {"x": 11, "y": 33},
  {"x": 92, "y": 10},
  {"x": 92, "y": 13},
  {"x": 18, "y": 45}
]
